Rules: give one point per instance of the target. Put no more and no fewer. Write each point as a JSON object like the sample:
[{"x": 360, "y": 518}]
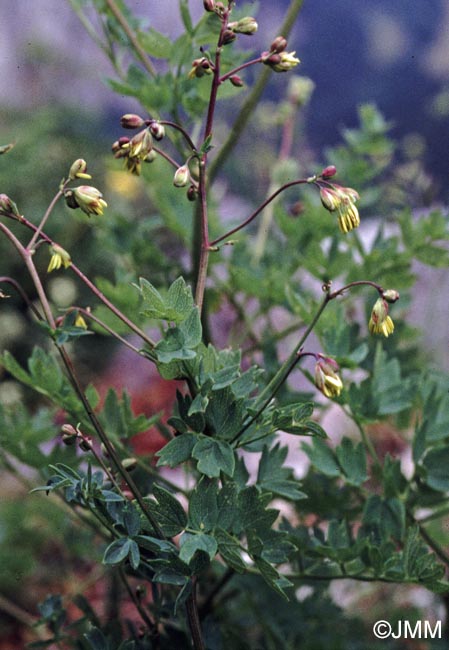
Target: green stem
[{"x": 130, "y": 34}]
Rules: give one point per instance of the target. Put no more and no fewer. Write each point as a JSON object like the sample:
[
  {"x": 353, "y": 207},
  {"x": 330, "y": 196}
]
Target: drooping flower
[
  {"x": 59, "y": 257},
  {"x": 380, "y": 322},
  {"x": 280, "y": 62},
  {"x": 341, "y": 199},
  {"x": 327, "y": 379},
  {"x": 87, "y": 198}
]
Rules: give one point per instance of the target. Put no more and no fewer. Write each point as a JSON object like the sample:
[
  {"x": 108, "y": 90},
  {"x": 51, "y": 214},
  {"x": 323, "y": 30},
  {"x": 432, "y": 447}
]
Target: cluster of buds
[
  {"x": 247, "y": 25},
  {"x": 135, "y": 150},
  {"x": 327, "y": 379},
  {"x": 380, "y": 322},
  {"x": 59, "y": 257},
  {"x": 200, "y": 67},
  {"x": 277, "y": 58},
  {"x": 87, "y": 198},
  {"x": 342, "y": 199},
  {"x": 79, "y": 170},
  {"x": 70, "y": 435}
]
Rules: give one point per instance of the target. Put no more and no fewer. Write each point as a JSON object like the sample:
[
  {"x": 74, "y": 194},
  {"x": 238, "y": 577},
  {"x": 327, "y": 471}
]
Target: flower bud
[
  {"x": 200, "y": 67},
  {"x": 86, "y": 443},
  {"x": 328, "y": 172},
  {"x": 129, "y": 464},
  {"x": 282, "y": 62},
  {"x": 247, "y": 25},
  {"x": 87, "y": 198},
  {"x": 131, "y": 121},
  {"x": 157, "y": 130},
  {"x": 150, "y": 157},
  {"x": 390, "y": 295},
  {"x": 78, "y": 170},
  {"x": 229, "y": 36},
  {"x": 140, "y": 145},
  {"x": 380, "y": 322},
  {"x": 329, "y": 198},
  {"x": 236, "y": 81},
  {"x": 80, "y": 322},
  {"x": 7, "y": 206},
  {"x": 326, "y": 378},
  {"x": 68, "y": 434},
  {"x": 5, "y": 148},
  {"x": 209, "y": 5},
  {"x": 278, "y": 45},
  {"x": 192, "y": 193},
  {"x": 181, "y": 177}
]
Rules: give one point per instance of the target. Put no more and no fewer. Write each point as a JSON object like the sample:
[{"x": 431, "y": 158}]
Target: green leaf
[
  {"x": 203, "y": 506},
  {"x": 153, "y": 302},
  {"x": 229, "y": 549},
  {"x": 224, "y": 413},
  {"x": 436, "y": 466},
  {"x": 117, "y": 551},
  {"x": 179, "y": 301},
  {"x": 190, "y": 544},
  {"x": 352, "y": 460},
  {"x": 275, "y": 477},
  {"x": 155, "y": 44},
  {"x": 322, "y": 458},
  {"x": 214, "y": 456},
  {"x": 177, "y": 451},
  {"x": 169, "y": 513},
  {"x": 272, "y": 577}
]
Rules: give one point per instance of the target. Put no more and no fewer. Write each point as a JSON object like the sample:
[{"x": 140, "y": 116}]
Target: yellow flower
[
  {"x": 380, "y": 322},
  {"x": 80, "y": 322},
  {"x": 79, "y": 170},
  {"x": 280, "y": 62},
  {"x": 59, "y": 257},
  {"x": 326, "y": 378},
  {"x": 87, "y": 198}
]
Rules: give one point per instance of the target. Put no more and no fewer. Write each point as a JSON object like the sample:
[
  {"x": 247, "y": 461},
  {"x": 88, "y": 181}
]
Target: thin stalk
[
  {"x": 261, "y": 207},
  {"x": 239, "y": 68},
  {"x": 146, "y": 619},
  {"x": 44, "y": 219},
  {"x": 130, "y": 34},
  {"x": 22, "y": 294},
  {"x": 201, "y": 238}
]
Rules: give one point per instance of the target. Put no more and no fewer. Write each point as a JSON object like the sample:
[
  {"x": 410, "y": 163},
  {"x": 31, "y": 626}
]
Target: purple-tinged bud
[
  {"x": 192, "y": 193},
  {"x": 157, "y": 130},
  {"x": 390, "y": 295},
  {"x": 87, "y": 198},
  {"x": 7, "y": 206},
  {"x": 229, "y": 36},
  {"x": 131, "y": 121},
  {"x": 278, "y": 45},
  {"x": 182, "y": 176},
  {"x": 86, "y": 443},
  {"x": 209, "y": 5},
  {"x": 78, "y": 170},
  {"x": 330, "y": 199},
  {"x": 123, "y": 141},
  {"x": 236, "y": 81},
  {"x": 327, "y": 379},
  {"x": 68, "y": 434},
  {"x": 282, "y": 62},
  {"x": 328, "y": 172}
]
